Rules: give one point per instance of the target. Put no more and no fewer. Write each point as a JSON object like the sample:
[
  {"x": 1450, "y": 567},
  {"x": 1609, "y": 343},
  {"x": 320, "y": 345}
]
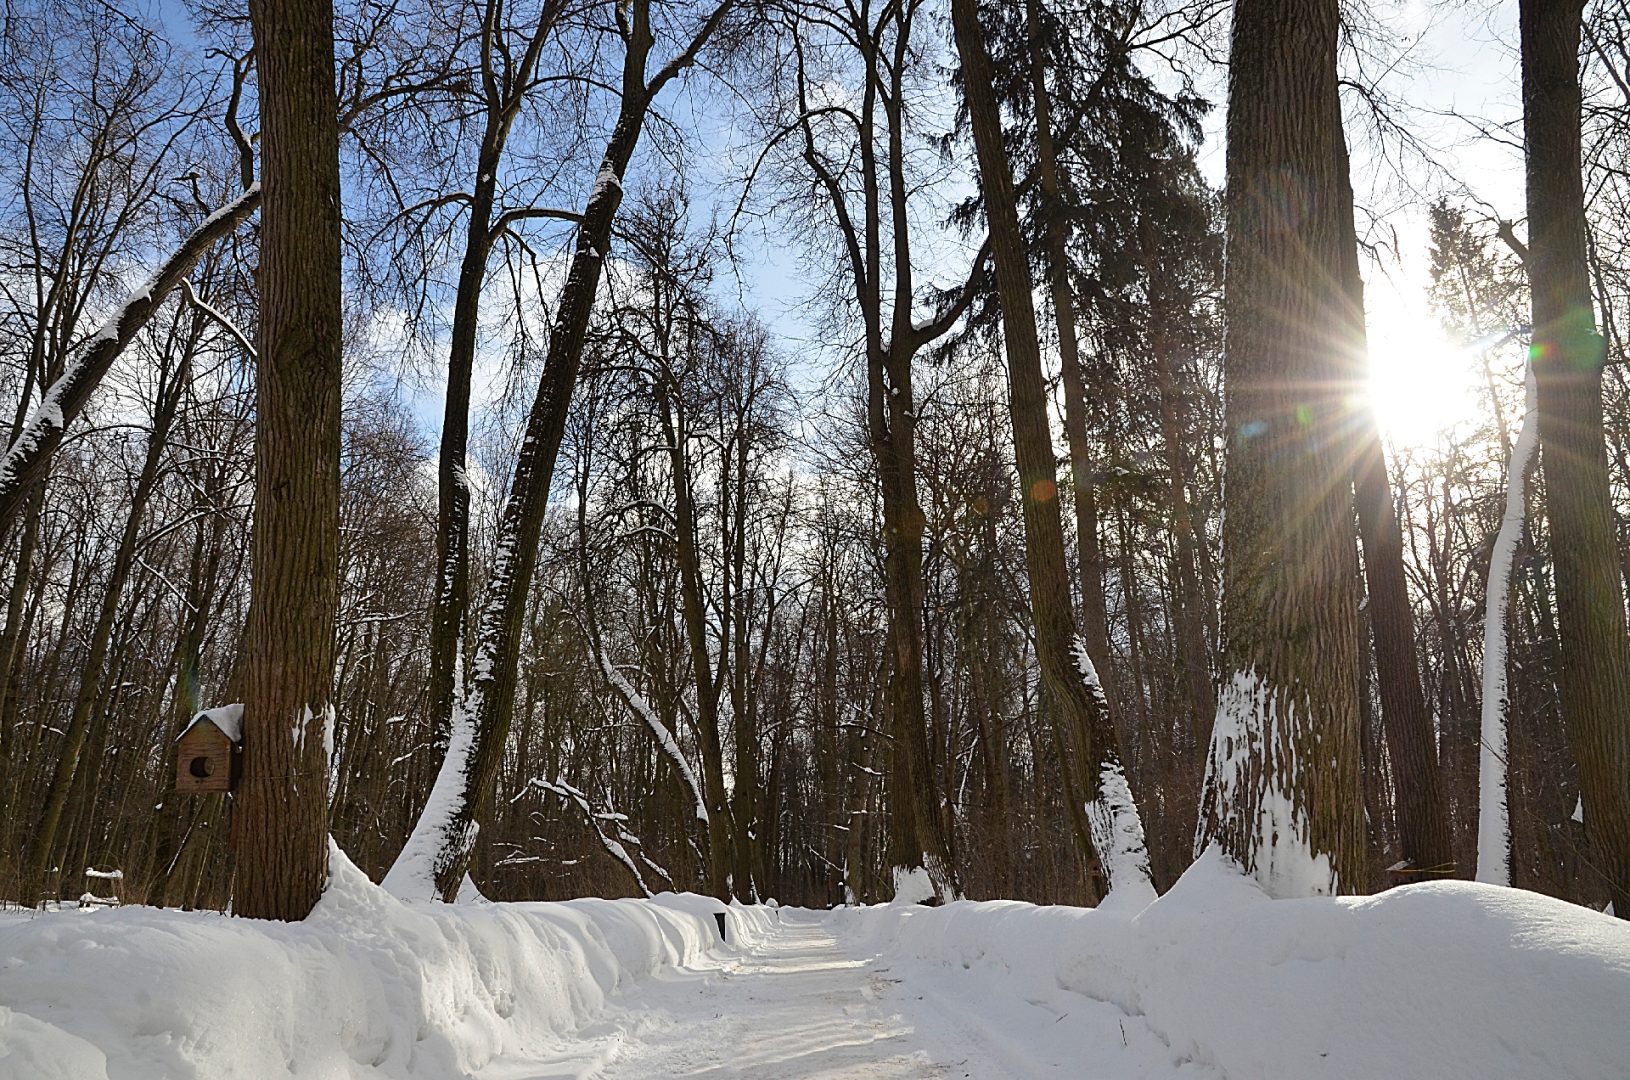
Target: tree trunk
[
  {"x": 437, "y": 855},
  {"x": 1066, "y": 668},
  {"x": 1568, "y": 355},
  {"x": 504, "y": 92},
  {"x": 1423, "y": 822},
  {"x": 280, "y": 812},
  {"x": 917, "y": 837},
  {"x": 749, "y": 773},
  {"x": 452, "y": 590},
  {"x": 91, "y": 687},
  {"x": 676, "y": 431},
  {"x": 13, "y": 643},
  {"x": 1089, "y": 561},
  {"x": 1283, "y": 791}
]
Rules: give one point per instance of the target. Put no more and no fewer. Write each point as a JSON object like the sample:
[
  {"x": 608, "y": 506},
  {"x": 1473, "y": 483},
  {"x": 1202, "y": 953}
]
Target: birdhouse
[{"x": 209, "y": 752}]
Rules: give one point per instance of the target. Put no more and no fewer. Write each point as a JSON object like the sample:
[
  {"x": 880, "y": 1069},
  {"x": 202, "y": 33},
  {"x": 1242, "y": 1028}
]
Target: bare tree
[{"x": 437, "y": 855}]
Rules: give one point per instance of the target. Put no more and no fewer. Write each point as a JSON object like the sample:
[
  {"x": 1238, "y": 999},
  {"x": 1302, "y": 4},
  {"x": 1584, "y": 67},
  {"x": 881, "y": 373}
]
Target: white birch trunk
[{"x": 1494, "y": 811}]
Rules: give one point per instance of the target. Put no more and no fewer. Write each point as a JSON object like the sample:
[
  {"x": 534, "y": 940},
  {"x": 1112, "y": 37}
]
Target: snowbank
[
  {"x": 366, "y": 987},
  {"x": 1426, "y": 981}
]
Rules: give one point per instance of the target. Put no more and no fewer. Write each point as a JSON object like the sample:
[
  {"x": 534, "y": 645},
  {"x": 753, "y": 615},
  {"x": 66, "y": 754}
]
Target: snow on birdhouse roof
[{"x": 228, "y": 719}]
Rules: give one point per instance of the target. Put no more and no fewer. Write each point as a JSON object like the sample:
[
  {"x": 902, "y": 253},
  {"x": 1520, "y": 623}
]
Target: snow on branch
[
  {"x": 220, "y": 318},
  {"x": 616, "y": 850},
  {"x": 30, "y": 451},
  {"x": 664, "y": 737}
]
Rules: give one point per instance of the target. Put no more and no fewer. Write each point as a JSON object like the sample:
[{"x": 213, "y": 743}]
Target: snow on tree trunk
[
  {"x": 927, "y": 883},
  {"x": 413, "y": 875},
  {"x": 1493, "y": 809},
  {"x": 1117, "y": 828},
  {"x": 1253, "y": 766},
  {"x": 912, "y": 885}
]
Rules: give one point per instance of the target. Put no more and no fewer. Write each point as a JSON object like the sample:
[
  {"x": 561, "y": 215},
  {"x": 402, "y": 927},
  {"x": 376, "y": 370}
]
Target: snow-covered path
[
  {"x": 799, "y": 1005},
  {"x": 1212, "y": 981}
]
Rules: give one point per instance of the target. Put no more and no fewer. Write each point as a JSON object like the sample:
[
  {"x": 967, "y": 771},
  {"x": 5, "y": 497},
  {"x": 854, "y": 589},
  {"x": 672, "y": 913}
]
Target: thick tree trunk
[
  {"x": 1568, "y": 356},
  {"x": 280, "y": 812},
  {"x": 1100, "y": 781},
  {"x": 1283, "y": 789}
]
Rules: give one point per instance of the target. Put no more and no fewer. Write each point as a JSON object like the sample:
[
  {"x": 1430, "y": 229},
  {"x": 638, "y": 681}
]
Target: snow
[
  {"x": 1493, "y": 812},
  {"x": 413, "y": 875},
  {"x": 802, "y": 1003},
  {"x": 912, "y": 886},
  {"x": 1214, "y": 979},
  {"x": 1117, "y": 827},
  {"x": 228, "y": 718},
  {"x": 606, "y": 181},
  {"x": 1210, "y": 982},
  {"x": 366, "y": 987},
  {"x": 1254, "y": 722}
]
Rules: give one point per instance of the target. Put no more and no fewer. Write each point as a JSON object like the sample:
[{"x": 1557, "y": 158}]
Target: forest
[{"x": 777, "y": 448}]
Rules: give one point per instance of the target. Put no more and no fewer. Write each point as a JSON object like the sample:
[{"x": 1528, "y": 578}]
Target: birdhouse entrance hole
[{"x": 201, "y": 767}]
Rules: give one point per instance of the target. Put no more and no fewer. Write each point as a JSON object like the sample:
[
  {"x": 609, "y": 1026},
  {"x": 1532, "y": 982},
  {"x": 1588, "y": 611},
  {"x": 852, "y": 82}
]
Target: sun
[{"x": 1422, "y": 384}]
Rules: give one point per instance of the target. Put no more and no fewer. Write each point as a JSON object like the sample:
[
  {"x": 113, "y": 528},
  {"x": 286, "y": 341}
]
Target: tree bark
[
  {"x": 280, "y": 812},
  {"x": 693, "y": 609},
  {"x": 1089, "y": 560},
  {"x": 1568, "y": 355},
  {"x": 1283, "y": 790},
  {"x": 503, "y": 95}
]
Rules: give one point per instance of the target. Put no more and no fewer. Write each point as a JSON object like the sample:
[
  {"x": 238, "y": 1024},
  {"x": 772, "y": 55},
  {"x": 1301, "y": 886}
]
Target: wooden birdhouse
[{"x": 209, "y": 753}]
